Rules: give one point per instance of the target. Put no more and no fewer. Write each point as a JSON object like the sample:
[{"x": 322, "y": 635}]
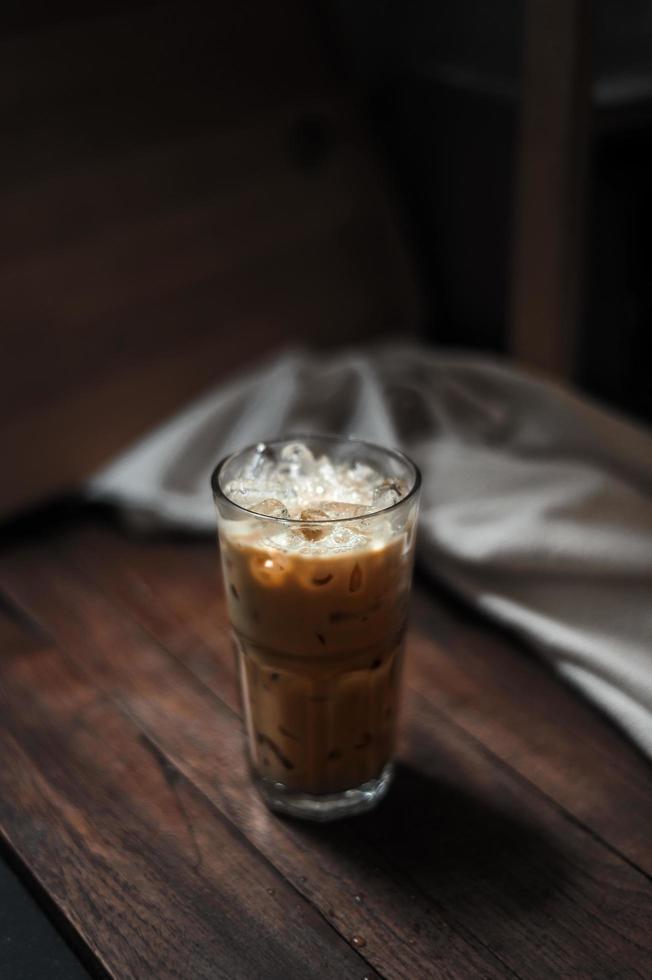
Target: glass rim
[{"x": 402, "y": 457}]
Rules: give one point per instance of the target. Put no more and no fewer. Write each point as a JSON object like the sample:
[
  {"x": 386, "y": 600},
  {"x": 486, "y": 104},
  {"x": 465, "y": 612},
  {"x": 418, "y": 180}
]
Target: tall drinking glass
[{"x": 317, "y": 592}]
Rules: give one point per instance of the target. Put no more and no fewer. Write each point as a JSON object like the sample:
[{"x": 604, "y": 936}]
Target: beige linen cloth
[{"x": 536, "y": 507}]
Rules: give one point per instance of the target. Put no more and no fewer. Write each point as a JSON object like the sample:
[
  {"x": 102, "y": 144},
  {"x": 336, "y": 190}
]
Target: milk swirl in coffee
[{"x": 317, "y": 578}]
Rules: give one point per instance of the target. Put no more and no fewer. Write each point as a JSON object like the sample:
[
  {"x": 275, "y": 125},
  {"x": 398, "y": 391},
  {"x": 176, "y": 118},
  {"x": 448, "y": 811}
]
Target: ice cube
[
  {"x": 362, "y": 473},
  {"x": 341, "y": 510},
  {"x": 271, "y": 507},
  {"x": 312, "y": 533},
  {"x": 242, "y": 491},
  {"x": 315, "y": 514},
  {"x": 385, "y": 499},
  {"x": 326, "y": 471},
  {"x": 261, "y": 460},
  {"x": 345, "y": 539},
  {"x": 299, "y": 456},
  {"x": 388, "y": 493}
]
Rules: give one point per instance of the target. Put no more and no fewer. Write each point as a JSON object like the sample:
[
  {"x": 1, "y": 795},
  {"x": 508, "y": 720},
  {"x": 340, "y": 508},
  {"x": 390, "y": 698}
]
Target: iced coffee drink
[{"x": 317, "y": 541}]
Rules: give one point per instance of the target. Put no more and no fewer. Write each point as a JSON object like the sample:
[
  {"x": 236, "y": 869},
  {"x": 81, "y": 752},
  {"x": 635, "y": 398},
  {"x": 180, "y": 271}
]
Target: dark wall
[
  {"x": 185, "y": 187},
  {"x": 444, "y": 97}
]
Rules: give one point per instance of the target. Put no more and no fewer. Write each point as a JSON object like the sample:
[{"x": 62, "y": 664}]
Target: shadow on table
[{"x": 431, "y": 836}]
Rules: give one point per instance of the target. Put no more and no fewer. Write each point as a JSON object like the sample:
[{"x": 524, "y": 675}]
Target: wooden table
[{"x": 516, "y": 842}]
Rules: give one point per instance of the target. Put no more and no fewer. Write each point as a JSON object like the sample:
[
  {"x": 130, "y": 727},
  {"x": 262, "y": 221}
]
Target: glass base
[{"x": 330, "y": 806}]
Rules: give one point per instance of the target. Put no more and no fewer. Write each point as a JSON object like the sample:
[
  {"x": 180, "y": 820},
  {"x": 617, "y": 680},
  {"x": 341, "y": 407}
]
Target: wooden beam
[{"x": 551, "y": 178}]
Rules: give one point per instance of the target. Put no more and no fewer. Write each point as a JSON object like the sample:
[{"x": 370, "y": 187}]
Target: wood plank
[
  {"x": 548, "y": 899},
  {"x": 154, "y": 880},
  {"x": 206, "y": 744},
  {"x": 485, "y": 682},
  {"x": 488, "y": 854},
  {"x": 550, "y": 194},
  {"x": 503, "y": 696}
]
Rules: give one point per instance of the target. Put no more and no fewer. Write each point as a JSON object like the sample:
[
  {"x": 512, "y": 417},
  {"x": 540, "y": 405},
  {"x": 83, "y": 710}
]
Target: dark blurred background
[
  {"x": 445, "y": 83},
  {"x": 188, "y": 186}
]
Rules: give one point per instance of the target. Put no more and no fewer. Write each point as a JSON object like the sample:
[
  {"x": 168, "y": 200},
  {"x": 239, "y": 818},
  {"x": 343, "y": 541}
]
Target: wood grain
[
  {"x": 477, "y": 865},
  {"x": 156, "y": 882},
  {"x": 206, "y": 743},
  {"x": 481, "y": 678}
]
